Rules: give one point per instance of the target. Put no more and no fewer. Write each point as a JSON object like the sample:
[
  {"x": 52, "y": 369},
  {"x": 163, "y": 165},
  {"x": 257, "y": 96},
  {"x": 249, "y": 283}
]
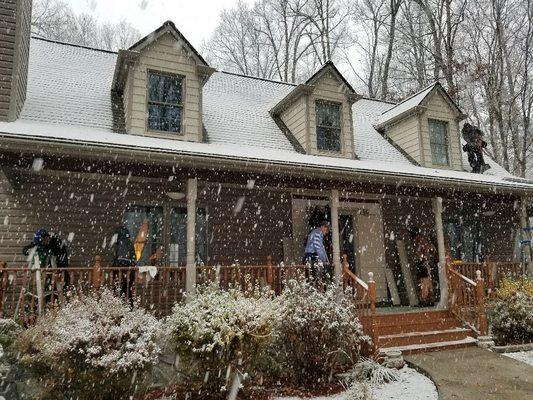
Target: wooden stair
[{"x": 417, "y": 332}]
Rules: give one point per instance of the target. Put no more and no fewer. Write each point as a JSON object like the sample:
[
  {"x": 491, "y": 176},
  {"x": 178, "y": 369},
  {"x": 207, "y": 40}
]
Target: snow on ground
[
  {"x": 411, "y": 385},
  {"x": 524, "y": 356}
]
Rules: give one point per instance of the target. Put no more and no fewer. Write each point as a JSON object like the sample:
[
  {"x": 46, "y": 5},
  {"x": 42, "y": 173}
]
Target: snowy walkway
[{"x": 477, "y": 374}]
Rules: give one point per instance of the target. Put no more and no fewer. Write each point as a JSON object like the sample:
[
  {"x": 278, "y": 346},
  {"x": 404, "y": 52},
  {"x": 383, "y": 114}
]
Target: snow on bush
[
  {"x": 373, "y": 372},
  {"x": 511, "y": 311},
  {"x": 319, "y": 333},
  {"x": 90, "y": 348},
  {"x": 221, "y": 335},
  {"x": 8, "y": 331}
]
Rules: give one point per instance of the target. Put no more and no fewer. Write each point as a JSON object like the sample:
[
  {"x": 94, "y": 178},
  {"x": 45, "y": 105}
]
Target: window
[
  {"x": 165, "y": 108},
  {"x": 178, "y": 236},
  {"x": 464, "y": 240},
  {"x": 144, "y": 225},
  {"x": 328, "y": 126},
  {"x": 438, "y": 137}
]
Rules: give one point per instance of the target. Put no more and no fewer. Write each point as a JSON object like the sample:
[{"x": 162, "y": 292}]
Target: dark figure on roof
[{"x": 474, "y": 148}]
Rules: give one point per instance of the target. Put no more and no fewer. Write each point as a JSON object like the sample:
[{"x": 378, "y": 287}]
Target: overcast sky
[{"x": 196, "y": 19}]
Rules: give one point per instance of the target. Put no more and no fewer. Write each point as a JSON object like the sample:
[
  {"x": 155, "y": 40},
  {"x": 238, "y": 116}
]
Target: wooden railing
[
  {"x": 26, "y": 294},
  {"x": 467, "y": 300},
  {"x": 364, "y": 297},
  {"x": 492, "y": 271},
  {"x": 246, "y": 277}
]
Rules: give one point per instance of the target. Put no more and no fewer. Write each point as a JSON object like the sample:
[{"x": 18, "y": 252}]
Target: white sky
[{"x": 196, "y": 19}]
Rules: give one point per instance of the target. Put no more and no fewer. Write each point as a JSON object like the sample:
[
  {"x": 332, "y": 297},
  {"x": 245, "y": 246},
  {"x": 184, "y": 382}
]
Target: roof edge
[{"x": 168, "y": 26}]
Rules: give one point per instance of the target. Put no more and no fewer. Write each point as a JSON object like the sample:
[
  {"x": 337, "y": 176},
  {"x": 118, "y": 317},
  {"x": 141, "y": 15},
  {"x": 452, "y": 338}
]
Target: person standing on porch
[
  {"x": 315, "y": 253},
  {"x": 425, "y": 253}
]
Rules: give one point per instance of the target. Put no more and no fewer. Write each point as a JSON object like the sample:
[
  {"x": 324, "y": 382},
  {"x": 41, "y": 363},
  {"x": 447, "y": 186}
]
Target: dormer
[
  {"x": 317, "y": 115},
  {"x": 160, "y": 79},
  {"x": 425, "y": 127}
]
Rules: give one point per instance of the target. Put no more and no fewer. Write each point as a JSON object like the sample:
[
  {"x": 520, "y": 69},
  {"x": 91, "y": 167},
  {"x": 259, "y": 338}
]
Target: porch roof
[{"x": 16, "y": 135}]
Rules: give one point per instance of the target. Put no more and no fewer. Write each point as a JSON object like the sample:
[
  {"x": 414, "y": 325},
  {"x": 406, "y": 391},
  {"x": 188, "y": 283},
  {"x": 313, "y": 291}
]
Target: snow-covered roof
[
  {"x": 69, "y": 99},
  {"x": 405, "y": 105}
]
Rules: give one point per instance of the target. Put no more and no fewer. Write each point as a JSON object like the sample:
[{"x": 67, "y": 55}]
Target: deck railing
[
  {"x": 467, "y": 300},
  {"x": 492, "y": 271}
]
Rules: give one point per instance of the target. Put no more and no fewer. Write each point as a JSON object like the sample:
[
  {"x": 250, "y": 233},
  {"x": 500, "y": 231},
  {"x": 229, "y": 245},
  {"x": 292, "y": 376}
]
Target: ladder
[{"x": 526, "y": 241}]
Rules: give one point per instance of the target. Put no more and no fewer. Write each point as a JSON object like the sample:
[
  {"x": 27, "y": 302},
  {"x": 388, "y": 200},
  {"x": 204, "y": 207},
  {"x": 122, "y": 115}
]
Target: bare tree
[{"x": 55, "y": 19}]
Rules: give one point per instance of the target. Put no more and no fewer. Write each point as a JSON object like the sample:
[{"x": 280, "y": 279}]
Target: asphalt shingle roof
[{"x": 70, "y": 86}]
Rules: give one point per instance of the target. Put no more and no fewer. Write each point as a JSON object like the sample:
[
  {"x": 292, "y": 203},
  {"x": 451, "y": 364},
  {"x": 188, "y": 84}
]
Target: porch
[{"x": 195, "y": 225}]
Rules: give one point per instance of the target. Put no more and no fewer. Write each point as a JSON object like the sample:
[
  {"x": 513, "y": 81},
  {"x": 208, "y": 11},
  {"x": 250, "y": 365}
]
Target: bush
[
  {"x": 91, "y": 348},
  {"x": 319, "y": 333},
  {"x": 8, "y": 331},
  {"x": 221, "y": 336},
  {"x": 511, "y": 311}
]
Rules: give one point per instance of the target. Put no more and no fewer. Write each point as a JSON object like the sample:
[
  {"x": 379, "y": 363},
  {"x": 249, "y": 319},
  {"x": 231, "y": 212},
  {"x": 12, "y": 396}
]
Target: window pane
[
  {"x": 328, "y": 114},
  {"x": 165, "y": 88},
  {"x": 438, "y": 135},
  {"x": 178, "y": 236},
  {"x": 328, "y": 122},
  {"x": 328, "y": 139},
  {"x": 164, "y": 118},
  {"x": 145, "y": 227}
]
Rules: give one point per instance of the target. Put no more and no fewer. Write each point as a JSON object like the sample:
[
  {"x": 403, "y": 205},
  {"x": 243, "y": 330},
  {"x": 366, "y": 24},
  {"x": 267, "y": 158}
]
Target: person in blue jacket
[{"x": 315, "y": 253}]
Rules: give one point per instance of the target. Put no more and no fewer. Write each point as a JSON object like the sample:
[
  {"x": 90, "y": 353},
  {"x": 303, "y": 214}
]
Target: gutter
[{"x": 193, "y": 159}]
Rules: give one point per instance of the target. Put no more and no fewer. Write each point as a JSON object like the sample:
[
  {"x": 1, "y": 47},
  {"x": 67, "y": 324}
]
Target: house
[{"x": 215, "y": 168}]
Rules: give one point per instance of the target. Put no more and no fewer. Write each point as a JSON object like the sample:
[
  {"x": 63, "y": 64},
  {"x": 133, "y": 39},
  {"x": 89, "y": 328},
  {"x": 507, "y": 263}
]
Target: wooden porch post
[
  {"x": 192, "y": 194},
  {"x": 524, "y": 223},
  {"x": 334, "y": 200},
  {"x": 480, "y": 294},
  {"x": 443, "y": 282}
]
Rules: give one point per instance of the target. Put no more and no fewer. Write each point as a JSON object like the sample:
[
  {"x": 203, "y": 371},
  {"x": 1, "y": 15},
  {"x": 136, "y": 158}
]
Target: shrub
[
  {"x": 373, "y": 372},
  {"x": 91, "y": 348},
  {"x": 8, "y": 331},
  {"x": 221, "y": 336},
  {"x": 318, "y": 334},
  {"x": 511, "y": 311}
]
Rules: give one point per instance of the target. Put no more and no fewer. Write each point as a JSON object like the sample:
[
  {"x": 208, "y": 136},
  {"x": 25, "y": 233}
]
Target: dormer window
[
  {"x": 165, "y": 108},
  {"x": 328, "y": 126},
  {"x": 438, "y": 137}
]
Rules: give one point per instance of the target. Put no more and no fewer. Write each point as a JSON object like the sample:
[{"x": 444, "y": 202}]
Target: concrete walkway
[{"x": 476, "y": 374}]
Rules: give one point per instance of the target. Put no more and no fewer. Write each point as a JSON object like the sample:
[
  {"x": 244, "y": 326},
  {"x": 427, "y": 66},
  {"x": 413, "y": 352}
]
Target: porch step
[
  {"x": 422, "y": 337},
  {"x": 434, "y": 346}
]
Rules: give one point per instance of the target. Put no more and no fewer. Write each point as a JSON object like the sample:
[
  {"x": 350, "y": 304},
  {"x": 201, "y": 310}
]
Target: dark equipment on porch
[{"x": 474, "y": 148}]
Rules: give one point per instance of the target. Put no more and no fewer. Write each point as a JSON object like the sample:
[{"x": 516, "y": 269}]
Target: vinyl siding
[
  {"x": 165, "y": 55},
  {"x": 295, "y": 118},
  {"x": 330, "y": 89},
  {"x": 406, "y": 135}
]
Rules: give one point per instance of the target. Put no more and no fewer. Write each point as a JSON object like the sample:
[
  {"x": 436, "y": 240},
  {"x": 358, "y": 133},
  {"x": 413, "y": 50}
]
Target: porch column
[
  {"x": 192, "y": 194},
  {"x": 334, "y": 206},
  {"x": 524, "y": 223},
  {"x": 443, "y": 280}
]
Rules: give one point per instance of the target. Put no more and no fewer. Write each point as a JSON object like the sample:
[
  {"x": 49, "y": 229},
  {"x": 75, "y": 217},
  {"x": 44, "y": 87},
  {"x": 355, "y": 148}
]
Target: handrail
[
  {"x": 464, "y": 278},
  {"x": 354, "y": 277}
]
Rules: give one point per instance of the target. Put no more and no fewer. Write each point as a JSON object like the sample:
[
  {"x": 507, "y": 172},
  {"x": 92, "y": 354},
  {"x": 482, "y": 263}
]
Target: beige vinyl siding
[
  {"x": 331, "y": 89},
  {"x": 406, "y": 135},
  {"x": 165, "y": 55},
  {"x": 295, "y": 118},
  {"x": 438, "y": 108}
]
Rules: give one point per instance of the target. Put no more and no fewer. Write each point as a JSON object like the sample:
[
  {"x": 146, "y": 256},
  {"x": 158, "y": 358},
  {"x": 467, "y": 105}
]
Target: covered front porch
[{"x": 189, "y": 225}]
